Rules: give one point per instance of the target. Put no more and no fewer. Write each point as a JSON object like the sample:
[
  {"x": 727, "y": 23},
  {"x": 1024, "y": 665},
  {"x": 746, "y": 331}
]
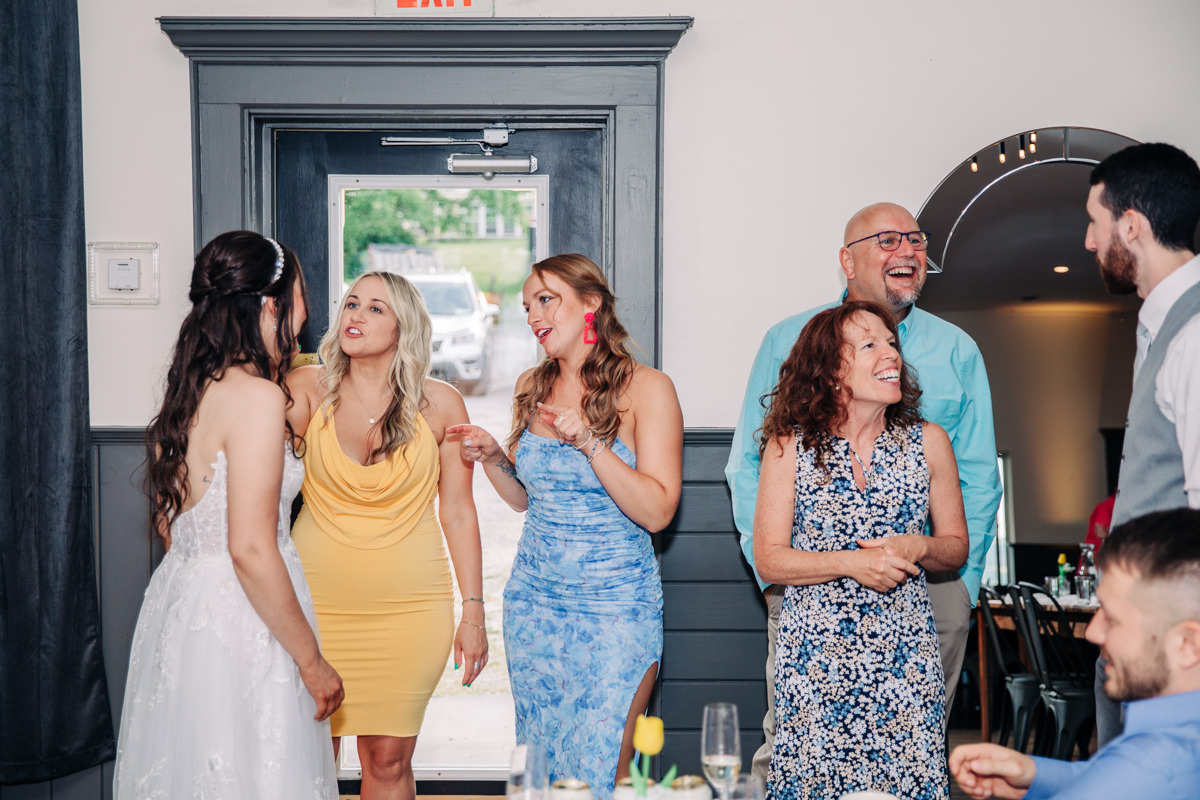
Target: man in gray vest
[{"x": 1143, "y": 208}]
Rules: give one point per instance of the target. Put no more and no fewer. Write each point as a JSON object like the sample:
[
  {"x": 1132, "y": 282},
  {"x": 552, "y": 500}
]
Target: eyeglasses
[{"x": 891, "y": 240}]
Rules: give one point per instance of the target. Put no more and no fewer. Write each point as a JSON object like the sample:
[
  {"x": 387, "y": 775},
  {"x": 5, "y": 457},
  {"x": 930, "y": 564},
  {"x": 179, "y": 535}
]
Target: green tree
[
  {"x": 513, "y": 206},
  {"x": 384, "y": 216},
  {"x": 418, "y": 217}
]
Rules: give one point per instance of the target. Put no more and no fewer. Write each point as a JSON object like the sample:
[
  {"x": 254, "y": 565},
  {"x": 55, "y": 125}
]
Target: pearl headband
[{"x": 278, "y": 261}]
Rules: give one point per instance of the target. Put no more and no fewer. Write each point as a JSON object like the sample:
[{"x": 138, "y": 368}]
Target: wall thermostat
[{"x": 124, "y": 274}]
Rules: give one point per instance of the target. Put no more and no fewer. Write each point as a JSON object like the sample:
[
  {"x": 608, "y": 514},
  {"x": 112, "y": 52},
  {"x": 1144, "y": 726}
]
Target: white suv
[{"x": 462, "y": 325}]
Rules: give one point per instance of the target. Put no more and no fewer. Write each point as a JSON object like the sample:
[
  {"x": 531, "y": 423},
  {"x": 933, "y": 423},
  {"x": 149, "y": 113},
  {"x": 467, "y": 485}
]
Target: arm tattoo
[{"x": 508, "y": 469}]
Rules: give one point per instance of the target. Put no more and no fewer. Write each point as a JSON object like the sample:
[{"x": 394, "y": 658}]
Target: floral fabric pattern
[
  {"x": 582, "y": 613},
  {"x": 214, "y": 706},
  {"x": 859, "y": 694}
]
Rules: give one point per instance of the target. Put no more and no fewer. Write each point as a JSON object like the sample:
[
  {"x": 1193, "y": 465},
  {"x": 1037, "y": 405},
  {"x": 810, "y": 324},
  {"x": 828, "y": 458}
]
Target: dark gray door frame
[{"x": 252, "y": 75}]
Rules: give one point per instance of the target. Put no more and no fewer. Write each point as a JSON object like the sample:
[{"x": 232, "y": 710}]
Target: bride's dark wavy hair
[{"x": 232, "y": 276}]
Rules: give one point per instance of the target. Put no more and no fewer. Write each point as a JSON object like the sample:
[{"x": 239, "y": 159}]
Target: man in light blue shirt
[
  {"x": 884, "y": 260},
  {"x": 1148, "y": 630}
]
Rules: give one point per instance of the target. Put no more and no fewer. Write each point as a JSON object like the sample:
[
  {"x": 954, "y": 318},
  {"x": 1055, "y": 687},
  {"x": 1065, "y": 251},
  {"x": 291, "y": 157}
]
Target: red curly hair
[{"x": 808, "y": 397}]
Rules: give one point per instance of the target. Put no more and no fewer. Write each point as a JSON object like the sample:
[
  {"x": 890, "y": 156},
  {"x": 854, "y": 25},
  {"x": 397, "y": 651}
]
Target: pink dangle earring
[{"x": 589, "y": 331}]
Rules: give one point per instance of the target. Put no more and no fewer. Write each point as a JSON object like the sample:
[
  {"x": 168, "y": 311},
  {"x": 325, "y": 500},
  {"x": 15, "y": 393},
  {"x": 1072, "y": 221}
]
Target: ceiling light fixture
[
  {"x": 1021, "y": 146},
  {"x": 1002, "y": 157},
  {"x": 1033, "y": 141},
  {"x": 974, "y": 165},
  {"x": 1061, "y": 268}
]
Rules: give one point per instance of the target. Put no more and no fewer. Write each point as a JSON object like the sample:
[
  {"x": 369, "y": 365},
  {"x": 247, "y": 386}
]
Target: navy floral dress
[
  {"x": 859, "y": 694},
  {"x": 582, "y": 613}
]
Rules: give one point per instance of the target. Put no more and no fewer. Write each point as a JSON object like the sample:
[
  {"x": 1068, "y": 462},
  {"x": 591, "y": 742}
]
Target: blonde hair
[
  {"x": 609, "y": 365},
  {"x": 409, "y": 367}
]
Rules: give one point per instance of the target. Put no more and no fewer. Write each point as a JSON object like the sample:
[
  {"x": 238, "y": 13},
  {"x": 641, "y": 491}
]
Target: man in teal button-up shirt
[{"x": 955, "y": 395}]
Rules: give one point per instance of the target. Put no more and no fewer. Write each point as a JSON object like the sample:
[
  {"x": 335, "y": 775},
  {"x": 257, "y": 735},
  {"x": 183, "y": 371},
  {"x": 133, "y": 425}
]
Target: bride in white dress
[{"x": 228, "y": 695}]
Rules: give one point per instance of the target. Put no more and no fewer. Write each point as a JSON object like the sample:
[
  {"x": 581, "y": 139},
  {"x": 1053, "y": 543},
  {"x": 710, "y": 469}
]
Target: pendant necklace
[{"x": 371, "y": 419}]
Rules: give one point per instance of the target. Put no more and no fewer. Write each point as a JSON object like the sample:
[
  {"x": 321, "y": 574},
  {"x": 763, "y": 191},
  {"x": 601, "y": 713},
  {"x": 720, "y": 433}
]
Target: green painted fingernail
[{"x": 456, "y": 666}]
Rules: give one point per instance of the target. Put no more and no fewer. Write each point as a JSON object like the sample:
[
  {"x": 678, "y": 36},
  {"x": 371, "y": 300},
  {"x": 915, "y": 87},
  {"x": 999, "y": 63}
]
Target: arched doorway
[{"x": 1014, "y": 274}]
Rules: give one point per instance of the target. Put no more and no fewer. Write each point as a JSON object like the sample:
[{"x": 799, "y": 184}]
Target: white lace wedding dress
[{"x": 214, "y": 706}]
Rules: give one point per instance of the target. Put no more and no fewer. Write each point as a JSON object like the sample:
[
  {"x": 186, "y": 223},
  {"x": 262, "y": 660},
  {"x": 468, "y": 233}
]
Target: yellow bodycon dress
[{"x": 372, "y": 551}]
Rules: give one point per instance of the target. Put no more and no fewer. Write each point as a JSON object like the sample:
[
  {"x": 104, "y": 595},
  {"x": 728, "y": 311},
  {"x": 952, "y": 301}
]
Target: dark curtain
[{"x": 54, "y": 714}]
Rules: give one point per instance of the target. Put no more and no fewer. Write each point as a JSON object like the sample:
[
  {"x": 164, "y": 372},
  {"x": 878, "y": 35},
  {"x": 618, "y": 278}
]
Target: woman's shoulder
[
  {"x": 784, "y": 445},
  {"x": 931, "y": 429},
  {"x": 935, "y": 439},
  {"x": 649, "y": 381},
  {"x": 442, "y": 405},
  {"x": 304, "y": 384},
  {"x": 240, "y": 401},
  {"x": 238, "y": 385},
  {"x": 438, "y": 391},
  {"x": 305, "y": 378},
  {"x": 524, "y": 380}
]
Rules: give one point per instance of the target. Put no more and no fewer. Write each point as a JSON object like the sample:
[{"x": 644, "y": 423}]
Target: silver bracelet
[
  {"x": 596, "y": 448},
  {"x": 591, "y": 435}
]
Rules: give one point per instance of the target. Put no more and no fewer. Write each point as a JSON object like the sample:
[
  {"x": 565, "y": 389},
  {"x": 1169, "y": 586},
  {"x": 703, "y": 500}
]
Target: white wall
[{"x": 861, "y": 101}]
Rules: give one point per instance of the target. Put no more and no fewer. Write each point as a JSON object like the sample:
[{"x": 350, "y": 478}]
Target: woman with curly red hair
[{"x": 850, "y": 473}]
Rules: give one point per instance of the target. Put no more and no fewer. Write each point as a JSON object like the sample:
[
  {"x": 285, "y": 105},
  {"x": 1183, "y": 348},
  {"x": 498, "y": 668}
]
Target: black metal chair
[
  {"x": 1065, "y": 675},
  {"x": 1022, "y": 690}
]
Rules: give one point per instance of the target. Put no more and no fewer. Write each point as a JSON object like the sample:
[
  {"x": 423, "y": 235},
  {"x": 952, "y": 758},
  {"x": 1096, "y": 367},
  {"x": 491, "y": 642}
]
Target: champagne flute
[
  {"x": 720, "y": 748},
  {"x": 748, "y": 787},
  {"x": 528, "y": 774}
]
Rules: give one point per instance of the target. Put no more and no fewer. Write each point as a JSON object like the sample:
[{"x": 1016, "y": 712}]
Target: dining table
[{"x": 1078, "y": 613}]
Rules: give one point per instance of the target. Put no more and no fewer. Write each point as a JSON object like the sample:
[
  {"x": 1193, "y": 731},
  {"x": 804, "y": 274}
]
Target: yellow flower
[{"x": 648, "y": 735}]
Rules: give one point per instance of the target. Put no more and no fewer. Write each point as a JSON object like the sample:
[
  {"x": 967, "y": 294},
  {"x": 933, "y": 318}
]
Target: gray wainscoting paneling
[
  {"x": 94, "y": 783},
  {"x": 126, "y": 551},
  {"x": 714, "y": 616}
]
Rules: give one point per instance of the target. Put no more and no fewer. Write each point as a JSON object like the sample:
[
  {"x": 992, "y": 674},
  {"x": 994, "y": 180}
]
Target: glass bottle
[{"x": 1087, "y": 560}]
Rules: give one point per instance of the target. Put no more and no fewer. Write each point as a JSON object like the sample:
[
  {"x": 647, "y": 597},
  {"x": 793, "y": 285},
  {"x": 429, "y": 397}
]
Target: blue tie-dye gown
[
  {"x": 582, "y": 613},
  {"x": 858, "y": 674}
]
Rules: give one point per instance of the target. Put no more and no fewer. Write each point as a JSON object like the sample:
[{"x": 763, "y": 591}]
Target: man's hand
[{"x": 989, "y": 770}]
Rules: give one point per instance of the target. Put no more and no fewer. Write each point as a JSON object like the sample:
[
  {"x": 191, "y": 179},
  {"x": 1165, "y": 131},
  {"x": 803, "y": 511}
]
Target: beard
[
  {"x": 1117, "y": 268},
  {"x": 1138, "y": 679},
  {"x": 900, "y": 299},
  {"x": 897, "y": 299}
]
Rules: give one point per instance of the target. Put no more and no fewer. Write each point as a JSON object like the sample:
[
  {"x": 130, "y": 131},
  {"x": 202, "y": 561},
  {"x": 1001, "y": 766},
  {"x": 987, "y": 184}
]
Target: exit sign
[{"x": 438, "y": 8}]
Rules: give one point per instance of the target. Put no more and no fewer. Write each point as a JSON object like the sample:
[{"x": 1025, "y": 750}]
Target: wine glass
[
  {"x": 528, "y": 774},
  {"x": 748, "y": 787},
  {"x": 720, "y": 748}
]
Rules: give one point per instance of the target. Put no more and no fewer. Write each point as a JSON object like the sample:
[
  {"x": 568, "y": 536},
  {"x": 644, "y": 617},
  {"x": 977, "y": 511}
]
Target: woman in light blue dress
[{"x": 594, "y": 459}]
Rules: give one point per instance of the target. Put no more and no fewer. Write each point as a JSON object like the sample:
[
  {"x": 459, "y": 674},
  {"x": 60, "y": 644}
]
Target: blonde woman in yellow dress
[{"x": 376, "y": 455}]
